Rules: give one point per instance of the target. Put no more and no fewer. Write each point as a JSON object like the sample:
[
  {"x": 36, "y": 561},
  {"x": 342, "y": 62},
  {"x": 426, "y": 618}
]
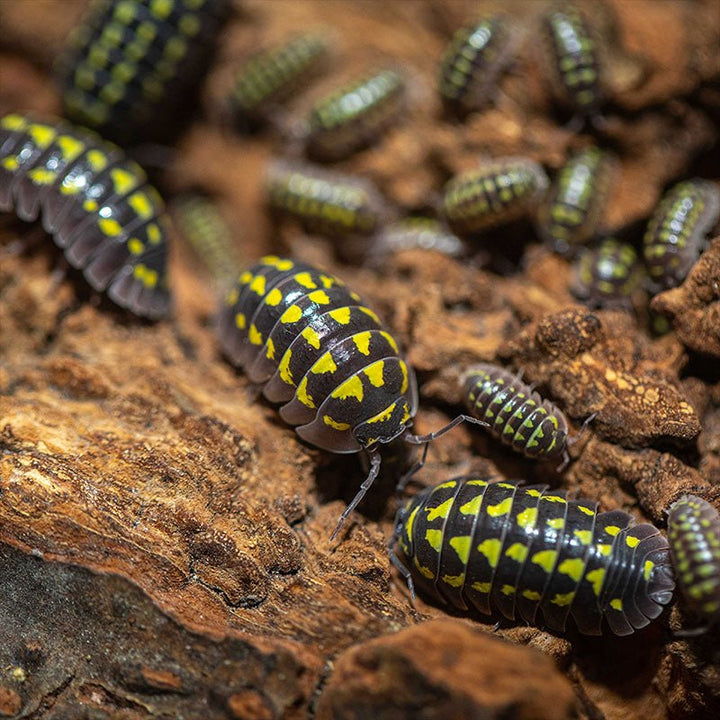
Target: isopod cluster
[{"x": 314, "y": 348}]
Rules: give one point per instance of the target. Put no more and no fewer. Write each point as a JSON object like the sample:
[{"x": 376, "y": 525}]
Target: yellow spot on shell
[
  {"x": 584, "y": 536},
  {"x": 325, "y": 364},
  {"x": 573, "y": 568},
  {"x": 352, "y": 387},
  {"x": 441, "y": 511},
  {"x": 305, "y": 279},
  {"x": 471, "y": 507},
  {"x": 240, "y": 321},
  {"x": 258, "y": 285},
  {"x": 454, "y": 580},
  {"x": 97, "y": 160},
  {"x": 334, "y": 424},
  {"x": 374, "y": 373},
  {"x": 311, "y": 336},
  {"x": 340, "y": 315},
  {"x": 274, "y": 297},
  {"x": 42, "y": 135},
  {"x": 434, "y": 538},
  {"x": 517, "y": 551},
  {"x": 481, "y": 587},
  {"x": 533, "y": 595},
  {"x": 631, "y": 541},
  {"x": 563, "y": 599},
  {"x": 527, "y": 518},
  {"x": 13, "y": 122},
  {"x": 424, "y": 571},
  {"x": 254, "y": 335},
  {"x": 462, "y": 544},
  {"x": 291, "y": 315},
  {"x": 508, "y": 590},
  {"x": 110, "y": 227},
  {"x": 135, "y": 246},
  {"x": 586, "y": 510},
  {"x": 319, "y": 297},
  {"x": 70, "y": 147},
  {"x": 556, "y": 523},
  {"x": 490, "y": 548},
  {"x": 270, "y": 352},
  {"x": 595, "y": 578},
  {"x": 362, "y": 342},
  {"x": 383, "y": 415},
  {"x": 409, "y": 523},
  {"x": 502, "y": 508},
  {"x": 154, "y": 234},
  {"x": 612, "y": 530},
  {"x": 545, "y": 559},
  {"x": 123, "y": 181},
  {"x": 616, "y": 604},
  {"x": 647, "y": 569},
  {"x": 276, "y": 262}
]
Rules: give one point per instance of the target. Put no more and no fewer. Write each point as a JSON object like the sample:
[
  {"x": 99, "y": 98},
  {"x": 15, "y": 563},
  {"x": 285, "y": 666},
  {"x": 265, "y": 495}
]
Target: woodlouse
[
  {"x": 269, "y": 78},
  {"x": 515, "y": 413},
  {"x": 694, "y": 534},
  {"x": 322, "y": 201},
  {"x": 95, "y": 202},
  {"x": 573, "y": 207},
  {"x": 677, "y": 228},
  {"x": 354, "y": 116},
  {"x": 132, "y": 67},
  {"x": 499, "y": 546},
  {"x": 312, "y": 345},
  {"x": 573, "y": 59},
  {"x": 608, "y": 275},
  {"x": 472, "y": 63},
  {"x": 495, "y": 193}
]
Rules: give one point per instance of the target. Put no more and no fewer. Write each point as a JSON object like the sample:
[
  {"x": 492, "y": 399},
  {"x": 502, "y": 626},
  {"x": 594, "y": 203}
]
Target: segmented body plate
[
  {"x": 516, "y": 415},
  {"x": 499, "y": 546},
  {"x": 273, "y": 76},
  {"x": 317, "y": 349},
  {"x": 472, "y": 63},
  {"x": 493, "y": 194},
  {"x": 133, "y": 66},
  {"x": 323, "y": 202},
  {"x": 202, "y": 225},
  {"x": 573, "y": 59},
  {"x": 355, "y": 116},
  {"x": 609, "y": 274},
  {"x": 420, "y": 233},
  {"x": 694, "y": 534},
  {"x": 95, "y": 202},
  {"x": 573, "y": 208},
  {"x": 672, "y": 242}
]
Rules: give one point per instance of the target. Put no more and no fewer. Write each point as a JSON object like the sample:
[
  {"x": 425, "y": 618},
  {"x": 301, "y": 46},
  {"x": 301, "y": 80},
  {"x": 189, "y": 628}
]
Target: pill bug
[
  {"x": 570, "y": 214},
  {"x": 573, "y": 59},
  {"x": 271, "y": 77},
  {"x": 472, "y": 63},
  {"x": 501, "y": 547},
  {"x": 694, "y": 534},
  {"x": 95, "y": 202},
  {"x": 355, "y": 116},
  {"x": 677, "y": 228},
  {"x": 515, "y": 413},
  {"x": 422, "y": 233},
  {"x": 322, "y": 201},
  {"x": 495, "y": 193},
  {"x": 202, "y": 225},
  {"x": 133, "y": 67},
  {"x": 608, "y": 275},
  {"x": 314, "y": 347}
]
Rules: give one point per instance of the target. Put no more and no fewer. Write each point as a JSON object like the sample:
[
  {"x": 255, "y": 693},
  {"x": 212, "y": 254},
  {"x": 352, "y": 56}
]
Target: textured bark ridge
[{"x": 164, "y": 537}]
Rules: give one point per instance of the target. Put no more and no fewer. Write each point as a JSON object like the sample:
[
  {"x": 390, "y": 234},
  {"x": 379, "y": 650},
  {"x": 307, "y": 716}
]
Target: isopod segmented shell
[
  {"x": 96, "y": 203},
  {"x": 133, "y": 67},
  {"x": 608, "y": 275},
  {"x": 694, "y": 534},
  {"x": 493, "y": 194},
  {"x": 516, "y": 414},
  {"x": 355, "y": 116},
  {"x": 271, "y": 77},
  {"x": 322, "y": 201},
  {"x": 570, "y": 214},
  {"x": 501, "y": 547},
  {"x": 473, "y": 61},
  {"x": 573, "y": 59},
  {"x": 677, "y": 228}
]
